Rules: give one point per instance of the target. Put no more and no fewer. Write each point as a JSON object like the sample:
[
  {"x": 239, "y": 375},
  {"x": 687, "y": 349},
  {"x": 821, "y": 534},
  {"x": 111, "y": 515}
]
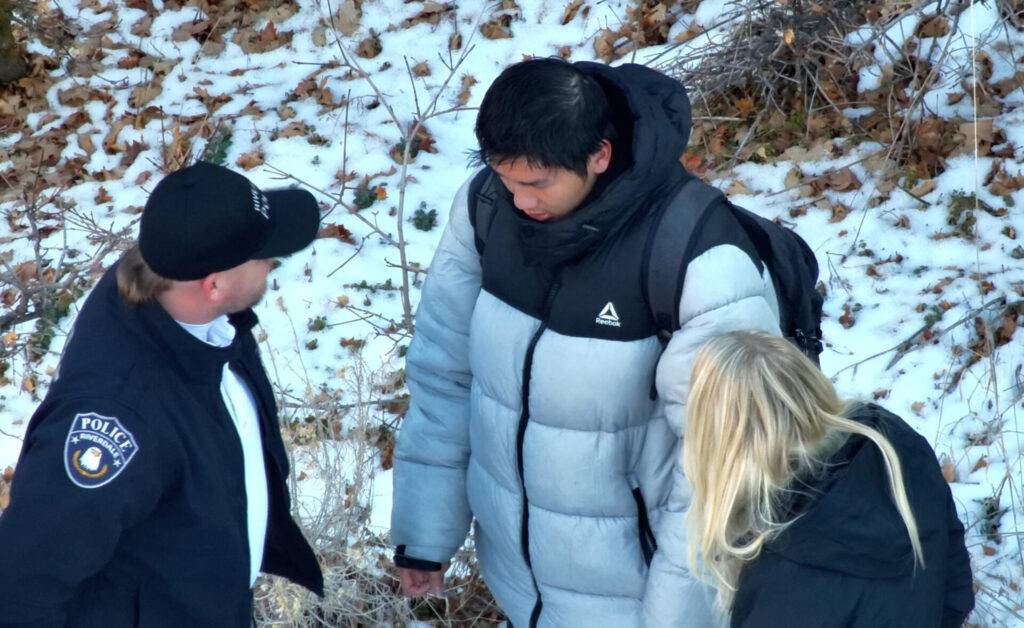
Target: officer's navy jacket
[
  {"x": 847, "y": 559},
  {"x": 128, "y": 505},
  {"x": 542, "y": 404}
]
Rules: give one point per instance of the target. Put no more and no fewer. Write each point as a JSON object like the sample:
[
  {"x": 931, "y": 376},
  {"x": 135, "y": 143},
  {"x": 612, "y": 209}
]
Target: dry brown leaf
[
  {"x": 842, "y": 180},
  {"x": 604, "y": 44},
  {"x": 369, "y": 47},
  {"x": 923, "y": 188},
  {"x": 982, "y": 129},
  {"x": 79, "y": 95},
  {"x": 917, "y": 406},
  {"x": 50, "y": 117},
  {"x": 28, "y": 385},
  {"x": 8, "y": 475},
  {"x": 839, "y": 212},
  {"x": 178, "y": 152},
  {"x": 211, "y": 103},
  {"x": 570, "y": 11},
  {"x": 846, "y": 319},
  {"x": 319, "y": 36},
  {"x": 346, "y": 19},
  {"x": 788, "y": 37},
  {"x": 248, "y": 161},
  {"x": 932, "y": 26},
  {"x": 421, "y": 69},
  {"x": 85, "y": 143},
  {"x": 455, "y": 42},
  {"x": 339, "y": 232},
  {"x": 213, "y": 48},
  {"x": 129, "y": 61},
  {"x": 745, "y": 106},
  {"x": 143, "y": 28},
  {"x": 102, "y": 196},
  {"x": 26, "y": 271},
  {"x": 793, "y": 178},
  {"x": 497, "y": 28},
  {"x": 988, "y": 550},
  {"x": 941, "y": 285},
  {"x": 737, "y": 188},
  {"x": 186, "y": 31},
  {"x": 143, "y": 94},
  {"x": 131, "y": 153},
  {"x": 948, "y": 470},
  {"x": 468, "y": 81},
  {"x": 293, "y": 129},
  {"x": 430, "y": 13},
  {"x": 305, "y": 88},
  {"x": 1009, "y": 85},
  {"x": 268, "y": 34},
  {"x": 980, "y": 464}
]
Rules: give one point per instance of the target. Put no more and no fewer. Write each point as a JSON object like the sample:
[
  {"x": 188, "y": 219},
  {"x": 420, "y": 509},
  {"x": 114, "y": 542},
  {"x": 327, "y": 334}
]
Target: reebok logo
[{"x": 608, "y": 316}]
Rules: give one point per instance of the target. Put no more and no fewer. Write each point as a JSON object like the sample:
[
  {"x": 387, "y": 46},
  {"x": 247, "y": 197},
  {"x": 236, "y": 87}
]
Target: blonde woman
[{"x": 808, "y": 512}]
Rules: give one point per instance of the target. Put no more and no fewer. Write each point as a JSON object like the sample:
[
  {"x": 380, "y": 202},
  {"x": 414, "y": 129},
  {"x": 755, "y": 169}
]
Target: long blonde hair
[
  {"x": 136, "y": 281},
  {"x": 760, "y": 415}
]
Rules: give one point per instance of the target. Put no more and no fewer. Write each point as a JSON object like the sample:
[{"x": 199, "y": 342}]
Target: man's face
[
  {"x": 243, "y": 286},
  {"x": 550, "y": 193}
]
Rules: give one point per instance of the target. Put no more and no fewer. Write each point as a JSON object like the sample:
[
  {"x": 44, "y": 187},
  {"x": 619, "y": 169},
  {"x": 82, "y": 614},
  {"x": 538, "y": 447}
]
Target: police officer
[{"x": 150, "y": 490}]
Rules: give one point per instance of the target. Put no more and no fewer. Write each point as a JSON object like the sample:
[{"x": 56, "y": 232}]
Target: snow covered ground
[{"x": 924, "y": 280}]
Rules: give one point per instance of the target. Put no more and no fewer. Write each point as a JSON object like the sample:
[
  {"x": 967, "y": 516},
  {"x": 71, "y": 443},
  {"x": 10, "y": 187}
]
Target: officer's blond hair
[{"x": 136, "y": 281}]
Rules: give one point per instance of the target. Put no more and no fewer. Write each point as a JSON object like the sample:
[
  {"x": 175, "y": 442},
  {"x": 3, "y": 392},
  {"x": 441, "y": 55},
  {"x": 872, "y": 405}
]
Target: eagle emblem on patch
[{"x": 97, "y": 449}]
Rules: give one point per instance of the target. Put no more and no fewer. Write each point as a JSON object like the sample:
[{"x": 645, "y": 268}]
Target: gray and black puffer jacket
[{"x": 543, "y": 404}]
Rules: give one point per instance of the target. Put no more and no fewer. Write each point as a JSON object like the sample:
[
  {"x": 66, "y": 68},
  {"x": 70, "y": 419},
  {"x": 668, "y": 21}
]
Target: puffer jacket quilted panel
[{"x": 556, "y": 483}]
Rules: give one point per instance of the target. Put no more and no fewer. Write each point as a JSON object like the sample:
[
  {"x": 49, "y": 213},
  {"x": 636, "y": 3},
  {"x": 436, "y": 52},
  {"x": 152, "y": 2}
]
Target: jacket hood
[
  {"x": 657, "y": 127},
  {"x": 852, "y": 526},
  {"x": 661, "y": 120}
]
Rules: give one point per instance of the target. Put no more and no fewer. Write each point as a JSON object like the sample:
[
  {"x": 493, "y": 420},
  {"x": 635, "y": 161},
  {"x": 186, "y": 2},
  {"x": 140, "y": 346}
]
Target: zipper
[
  {"x": 648, "y": 544},
  {"x": 524, "y": 419}
]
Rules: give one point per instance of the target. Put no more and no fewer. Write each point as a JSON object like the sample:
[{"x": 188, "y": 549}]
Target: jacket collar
[{"x": 153, "y": 326}]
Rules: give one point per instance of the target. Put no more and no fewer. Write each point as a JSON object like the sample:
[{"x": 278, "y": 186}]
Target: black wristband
[{"x": 407, "y": 562}]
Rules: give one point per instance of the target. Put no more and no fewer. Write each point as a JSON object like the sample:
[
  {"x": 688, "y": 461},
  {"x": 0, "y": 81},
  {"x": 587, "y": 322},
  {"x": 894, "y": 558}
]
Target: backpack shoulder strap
[
  {"x": 669, "y": 247},
  {"x": 481, "y": 203}
]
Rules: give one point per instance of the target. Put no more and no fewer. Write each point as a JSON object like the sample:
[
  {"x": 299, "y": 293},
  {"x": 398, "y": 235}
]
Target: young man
[
  {"x": 543, "y": 404},
  {"x": 151, "y": 489}
]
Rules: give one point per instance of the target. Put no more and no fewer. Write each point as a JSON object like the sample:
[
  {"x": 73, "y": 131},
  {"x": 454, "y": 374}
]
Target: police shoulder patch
[{"x": 97, "y": 449}]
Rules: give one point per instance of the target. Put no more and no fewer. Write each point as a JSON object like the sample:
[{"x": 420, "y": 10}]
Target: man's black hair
[{"x": 545, "y": 111}]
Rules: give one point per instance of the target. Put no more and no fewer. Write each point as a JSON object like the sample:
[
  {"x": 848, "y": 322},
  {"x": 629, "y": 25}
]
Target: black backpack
[{"x": 788, "y": 258}]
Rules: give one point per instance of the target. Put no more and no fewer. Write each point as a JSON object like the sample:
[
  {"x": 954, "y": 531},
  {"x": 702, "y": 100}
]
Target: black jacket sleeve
[
  {"x": 57, "y": 533},
  {"x": 959, "y": 599}
]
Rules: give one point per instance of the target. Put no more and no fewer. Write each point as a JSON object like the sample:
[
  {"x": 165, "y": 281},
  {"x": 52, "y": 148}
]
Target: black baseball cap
[{"x": 206, "y": 218}]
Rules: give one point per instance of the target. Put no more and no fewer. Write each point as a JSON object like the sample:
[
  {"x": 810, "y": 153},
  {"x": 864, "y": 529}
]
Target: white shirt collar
[{"x": 218, "y": 332}]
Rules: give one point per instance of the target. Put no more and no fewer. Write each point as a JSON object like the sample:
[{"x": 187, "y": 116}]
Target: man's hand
[{"x": 418, "y": 582}]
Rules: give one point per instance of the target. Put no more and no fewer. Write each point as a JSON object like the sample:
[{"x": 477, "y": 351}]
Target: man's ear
[
  {"x": 210, "y": 287},
  {"x": 601, "y": 158}
]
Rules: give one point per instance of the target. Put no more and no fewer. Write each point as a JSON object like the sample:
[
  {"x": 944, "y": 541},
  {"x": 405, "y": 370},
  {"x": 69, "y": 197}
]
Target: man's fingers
[
  {"x": 411, "y": 581},
  {"x": 436, "y": 582},
  {"x": 416, "y": 582}
]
